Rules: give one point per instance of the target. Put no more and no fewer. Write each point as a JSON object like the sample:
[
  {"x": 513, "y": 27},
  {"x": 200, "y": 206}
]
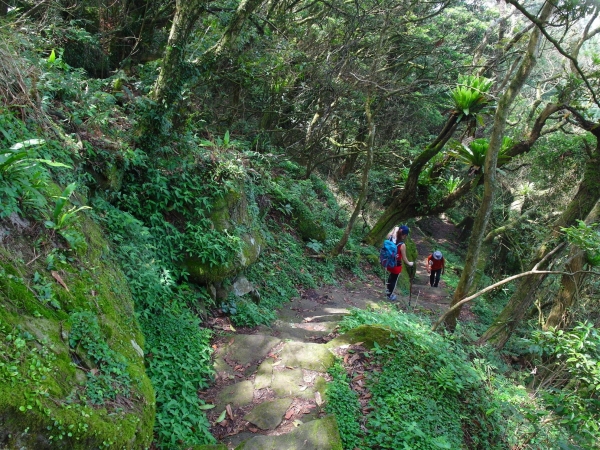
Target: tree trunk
[
  {"x": 364, "y": 185},
  {"x": 570, "y": 285},
  {"x": 404, "y": 204},
  {"x": 168, "y": 84},
  {"x": 584, "y": 201},
  {"x": 491, "y": 159},
  {"x": 243, "y": 11}
]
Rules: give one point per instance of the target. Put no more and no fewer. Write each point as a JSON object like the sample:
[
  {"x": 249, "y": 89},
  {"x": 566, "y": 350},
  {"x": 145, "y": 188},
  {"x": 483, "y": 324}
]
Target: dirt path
[{"x": 270, "y": 381}]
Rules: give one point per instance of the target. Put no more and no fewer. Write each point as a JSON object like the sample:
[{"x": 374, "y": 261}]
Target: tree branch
[
  {"x": 556, "y": 45},
  {"x": 533, "y": 271}
]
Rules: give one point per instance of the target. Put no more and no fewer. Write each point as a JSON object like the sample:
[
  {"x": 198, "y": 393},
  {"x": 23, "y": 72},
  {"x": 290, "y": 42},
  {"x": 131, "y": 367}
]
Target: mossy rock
[
  {"x": 45, "y": 391},
  {"x": 229, "y": 213},
  {"x": 203, "y": 272},
  {"x": 367, "y": 335},
  {"x": 307, "y": 225}
]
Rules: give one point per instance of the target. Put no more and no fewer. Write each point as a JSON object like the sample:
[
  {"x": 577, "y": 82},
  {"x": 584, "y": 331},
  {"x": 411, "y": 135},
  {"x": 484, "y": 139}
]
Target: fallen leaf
[
  {"x": 59, "y": 279},
  {"x": 206, "y": 406},
  {"x": 289, "y": 414},
  {"x": 346, "y": 358},
  {"x": 297, "y": 422},
  {"x": 276, "y": 363},
  {"x": 254, "y": 430},
  {"x": 318, "y": 398},
  {"x": 303, "y": 388},
  {"x": 223, "y": 423},
  {"x": 231, "y": 328},
  {"x": 221, "y": 417},
  {"x": 229, "y": 411},
  {"x": 358, "y": 377}
]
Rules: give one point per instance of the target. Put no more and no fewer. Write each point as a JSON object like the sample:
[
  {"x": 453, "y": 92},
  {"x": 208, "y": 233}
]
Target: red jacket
[
  {"x": 435, "y": 264},
  {"x": 398, "y": 269}
]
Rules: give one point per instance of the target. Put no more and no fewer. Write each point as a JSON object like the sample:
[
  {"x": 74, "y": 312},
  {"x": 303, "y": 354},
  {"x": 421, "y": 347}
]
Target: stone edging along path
[{"x": 270, "y": 383}]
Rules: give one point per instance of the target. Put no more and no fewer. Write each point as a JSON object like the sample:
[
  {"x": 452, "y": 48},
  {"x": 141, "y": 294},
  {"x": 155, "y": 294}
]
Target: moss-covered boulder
[
  {"x": 305, "y": 222},
  {"x": 231, "y": 212},
  {"x": 365, "y": 334},
  {"x": 71, "y": 360}
]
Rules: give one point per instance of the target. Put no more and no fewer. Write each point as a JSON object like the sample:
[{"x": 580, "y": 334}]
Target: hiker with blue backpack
[{"x": 391, "y": 256}]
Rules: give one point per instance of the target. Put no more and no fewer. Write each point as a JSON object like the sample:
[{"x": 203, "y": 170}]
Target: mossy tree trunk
[
  {"x": 242, "y": 13},
  {"x": 570, "y": 285},
  {"x": 582, "y": 204},
  {"x": 405, "y": 205},
  {"x": 168, "y": 84},
  {"x": 362, "y": 198},
  {"x": 491, "y": 160}
]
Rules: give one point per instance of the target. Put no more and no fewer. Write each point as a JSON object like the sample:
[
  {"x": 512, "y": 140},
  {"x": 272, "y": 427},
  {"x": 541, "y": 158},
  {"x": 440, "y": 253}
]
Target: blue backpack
[{"x": 387, "y": 255}]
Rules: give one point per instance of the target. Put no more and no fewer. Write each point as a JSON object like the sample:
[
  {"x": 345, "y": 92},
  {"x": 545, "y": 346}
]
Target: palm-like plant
[
  {"x": 474, "y": 154},
  {"x": 470, "y": 96}
]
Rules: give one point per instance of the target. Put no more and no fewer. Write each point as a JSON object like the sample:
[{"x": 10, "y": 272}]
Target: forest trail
[{"x": 270, "y": 381}]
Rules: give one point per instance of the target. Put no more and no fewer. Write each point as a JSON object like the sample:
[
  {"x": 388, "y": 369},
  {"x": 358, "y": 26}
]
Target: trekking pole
[{"x": 411, "y": 276}]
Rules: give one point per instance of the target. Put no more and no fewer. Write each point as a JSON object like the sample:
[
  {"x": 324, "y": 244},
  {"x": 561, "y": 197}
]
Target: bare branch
[
  {"x": 533, "y": 271},
  {"x": 557, "y": 46}
]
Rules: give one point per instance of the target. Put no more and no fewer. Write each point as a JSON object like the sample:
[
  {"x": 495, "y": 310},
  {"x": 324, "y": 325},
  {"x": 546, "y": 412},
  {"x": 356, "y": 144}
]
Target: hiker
[
  {"x": 398, "y": 235},
  {"x": 435, "y": 267}
]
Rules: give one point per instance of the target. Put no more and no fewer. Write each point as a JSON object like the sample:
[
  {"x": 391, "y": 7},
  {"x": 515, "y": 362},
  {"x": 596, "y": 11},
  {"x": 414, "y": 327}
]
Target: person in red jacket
[
  {"x": 435, "y": 267},
  {"x": 398, "y": 235}
]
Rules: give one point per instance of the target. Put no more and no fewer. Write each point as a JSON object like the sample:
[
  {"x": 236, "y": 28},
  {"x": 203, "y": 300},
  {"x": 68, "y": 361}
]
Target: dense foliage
[{"x": 215, "y": 144}]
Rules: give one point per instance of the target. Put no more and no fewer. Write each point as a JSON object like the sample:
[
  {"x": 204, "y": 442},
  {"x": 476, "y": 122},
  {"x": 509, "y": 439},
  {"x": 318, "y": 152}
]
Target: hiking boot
[{"x": 392, "y": 298}]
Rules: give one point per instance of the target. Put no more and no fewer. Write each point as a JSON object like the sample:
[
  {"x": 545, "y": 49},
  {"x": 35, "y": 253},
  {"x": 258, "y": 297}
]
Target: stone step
[
  {"x": 305, "y": 331},
  {"x": 320, "y": 434}
]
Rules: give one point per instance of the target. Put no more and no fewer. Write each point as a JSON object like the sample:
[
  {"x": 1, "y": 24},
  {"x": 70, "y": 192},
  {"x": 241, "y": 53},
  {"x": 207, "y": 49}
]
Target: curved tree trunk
[
  {"x": 570, "y": 285},
  {"x": 404, "y": 205},
  {"x": 482, "y": 219},
  {"x": 243, "y": 11}
]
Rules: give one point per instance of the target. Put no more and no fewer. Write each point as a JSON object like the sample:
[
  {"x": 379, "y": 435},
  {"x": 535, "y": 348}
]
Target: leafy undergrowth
[{"x": 427, "y": 391}]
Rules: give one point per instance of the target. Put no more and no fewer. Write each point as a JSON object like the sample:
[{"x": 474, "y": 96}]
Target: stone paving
[{"x": 270, "y": 389}]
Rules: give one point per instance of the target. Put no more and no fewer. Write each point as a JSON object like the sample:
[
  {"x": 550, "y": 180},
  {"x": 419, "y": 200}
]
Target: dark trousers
[
  {"x": 391, "y": 283},
  {"x": 434, "y": 277}
]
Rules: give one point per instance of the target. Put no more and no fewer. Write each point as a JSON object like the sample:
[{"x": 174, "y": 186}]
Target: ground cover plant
[{"x": 426, "y": 390}]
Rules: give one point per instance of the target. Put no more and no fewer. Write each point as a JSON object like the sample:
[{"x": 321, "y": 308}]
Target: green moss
[
  {"x": 367, "y": 334},
  {"x": 42, "y": 389}
]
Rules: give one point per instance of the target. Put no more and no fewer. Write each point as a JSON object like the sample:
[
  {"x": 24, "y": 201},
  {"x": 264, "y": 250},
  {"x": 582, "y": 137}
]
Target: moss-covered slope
[{"x": 71, "y": 361}]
